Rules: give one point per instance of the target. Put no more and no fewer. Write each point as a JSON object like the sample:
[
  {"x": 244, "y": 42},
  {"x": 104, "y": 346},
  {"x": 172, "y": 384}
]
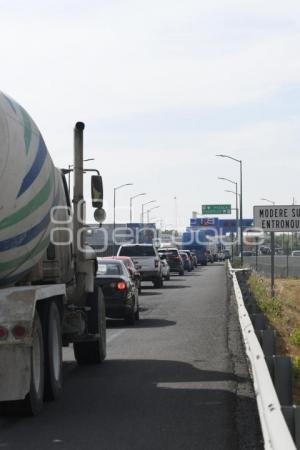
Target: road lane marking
[
  {"x": 217, "y": 384},
  {"x": 68, "y": 352},
  {"x": 114, "y": 336}
]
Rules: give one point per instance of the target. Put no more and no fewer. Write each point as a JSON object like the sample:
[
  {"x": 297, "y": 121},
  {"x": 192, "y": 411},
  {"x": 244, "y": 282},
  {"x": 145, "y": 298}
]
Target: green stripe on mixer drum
[
  {"x": 27, "y": 128},
  {"x": 7, "y": 265},
  {"x": 40, "y": 198}
]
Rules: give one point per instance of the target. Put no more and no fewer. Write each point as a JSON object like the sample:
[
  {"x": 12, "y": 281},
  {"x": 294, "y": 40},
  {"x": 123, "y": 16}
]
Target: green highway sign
[{"x": 216, "y": 209}]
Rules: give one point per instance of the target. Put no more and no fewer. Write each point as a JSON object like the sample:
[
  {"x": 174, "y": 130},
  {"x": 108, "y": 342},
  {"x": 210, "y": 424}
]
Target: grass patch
[
  {"x": 295, "y": 336},
  {"x": 283, "y": 315},
  {"x": 296, "y": 368}
]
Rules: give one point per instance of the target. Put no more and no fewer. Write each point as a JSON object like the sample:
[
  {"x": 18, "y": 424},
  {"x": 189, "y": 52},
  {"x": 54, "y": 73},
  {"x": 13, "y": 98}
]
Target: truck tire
[
  {"x": 33, "y": 402},
  {"x": 53, "y": 353},
  {"x": 93, "y": 352}
]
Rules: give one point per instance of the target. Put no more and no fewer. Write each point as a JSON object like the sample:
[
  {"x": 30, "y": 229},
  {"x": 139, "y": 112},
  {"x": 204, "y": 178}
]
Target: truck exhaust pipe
[{"x": 78, "y": 200}]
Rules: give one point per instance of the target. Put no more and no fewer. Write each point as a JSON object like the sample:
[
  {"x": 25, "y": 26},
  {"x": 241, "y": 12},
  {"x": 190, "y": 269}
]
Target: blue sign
[
  {"x": 205, "y": 222},
  {"x": 222, "y": 226}
]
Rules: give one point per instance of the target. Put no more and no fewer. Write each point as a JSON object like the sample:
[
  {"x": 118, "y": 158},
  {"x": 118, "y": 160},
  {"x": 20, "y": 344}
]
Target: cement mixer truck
[{"x": 48, "y": 295}]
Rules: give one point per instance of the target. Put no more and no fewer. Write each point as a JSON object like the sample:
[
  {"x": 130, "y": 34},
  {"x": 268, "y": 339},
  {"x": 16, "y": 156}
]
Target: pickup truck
[{"x": 146, "y": 256}]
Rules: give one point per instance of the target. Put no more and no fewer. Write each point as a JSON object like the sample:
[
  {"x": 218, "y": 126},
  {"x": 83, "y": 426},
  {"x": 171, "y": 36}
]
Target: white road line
[
  {"x": 114, "y": 336},
  {"x": 68, "y": 352}
]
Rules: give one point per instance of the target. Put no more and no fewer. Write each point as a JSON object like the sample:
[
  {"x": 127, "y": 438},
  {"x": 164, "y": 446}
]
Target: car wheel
[
  {"x": 137, "y": 313},
  {"x": 158, "y": 283},
  {"x": 130, "y": 317}
]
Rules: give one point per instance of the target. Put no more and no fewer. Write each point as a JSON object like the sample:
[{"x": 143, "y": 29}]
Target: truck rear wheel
[
  {"x": 33, "y": 402},
  {"x": 93, "y": 352},
  {"x": 53, "y": 353}
]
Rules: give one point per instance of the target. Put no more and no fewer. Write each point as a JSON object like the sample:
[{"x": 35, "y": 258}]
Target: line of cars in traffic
[{"x": 120, "y": 277}]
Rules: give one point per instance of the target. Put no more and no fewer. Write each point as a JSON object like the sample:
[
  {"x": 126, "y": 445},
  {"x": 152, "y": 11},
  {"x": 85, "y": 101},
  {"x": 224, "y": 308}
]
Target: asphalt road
[{"x": 177, "y": 380}]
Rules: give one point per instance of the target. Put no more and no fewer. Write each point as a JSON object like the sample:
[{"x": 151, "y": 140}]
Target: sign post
[
  {"x": 287, "y": 255},
  {"x": 272, "y": 264},
  {"x": 256, "y": 254}
]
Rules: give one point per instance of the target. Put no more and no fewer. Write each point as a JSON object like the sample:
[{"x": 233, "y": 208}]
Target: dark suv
[{"x": 173, "y": 259}]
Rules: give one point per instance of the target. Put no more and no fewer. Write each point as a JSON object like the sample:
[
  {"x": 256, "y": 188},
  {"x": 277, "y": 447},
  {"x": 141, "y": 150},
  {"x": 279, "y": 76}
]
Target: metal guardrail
[{"x": 274, "y": 428}]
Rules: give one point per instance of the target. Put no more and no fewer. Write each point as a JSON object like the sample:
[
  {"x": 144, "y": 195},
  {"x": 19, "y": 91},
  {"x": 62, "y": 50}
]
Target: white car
[
  {"x": 296, "y": 253},
  {"x": 146, "y": 256},
  {"x": 221, "y": 256},
  {"x": 165, "y": 268}
]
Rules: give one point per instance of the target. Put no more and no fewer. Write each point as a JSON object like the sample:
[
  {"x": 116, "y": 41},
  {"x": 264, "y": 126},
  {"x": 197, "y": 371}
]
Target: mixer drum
[{"x": 29, "y": 187}]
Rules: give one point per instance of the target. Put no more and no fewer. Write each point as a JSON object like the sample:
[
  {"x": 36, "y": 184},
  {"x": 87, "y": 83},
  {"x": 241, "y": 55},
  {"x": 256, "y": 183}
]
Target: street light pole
[
  {"x": 144, "y": 204},
  {"x": 241, "y": 211},
  {"x": 148, "y": 211},
  {"x": 267, "y": 200},
  {"x": 236, "y": 214},
  {"x": 114, "y": 224},
  {"x": 176, "y": 212},
  {"x": 236, "y": 205},
  {"x": 132, "y": 198},
  {"x": 241, "y": 203}
]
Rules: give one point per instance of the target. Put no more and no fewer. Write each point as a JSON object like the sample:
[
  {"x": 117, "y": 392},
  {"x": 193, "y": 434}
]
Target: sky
[{"x": 163, "y": 86}]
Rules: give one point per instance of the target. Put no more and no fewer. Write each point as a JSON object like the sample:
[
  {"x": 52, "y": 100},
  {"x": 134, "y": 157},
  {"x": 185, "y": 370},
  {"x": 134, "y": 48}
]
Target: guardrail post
[
  {"x": 270, "y": 363},
  {"x": 289, "y": 415},
  {"x": 259, "y": 321},
  {"x": 251, "y": 306},
  {"x": 267, "y": 340},
  {"x": 283, "y": 379},
  {"x": 297, "y": 425},
  {"x": 292, "y": 418}
]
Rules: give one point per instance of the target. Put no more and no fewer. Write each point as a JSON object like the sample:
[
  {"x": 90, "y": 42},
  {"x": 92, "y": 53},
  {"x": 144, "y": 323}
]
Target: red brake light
[
  {"x": 121, "y": 286},
  {"x": 3, "y": 333},
  {"x": 19, "y": 331}
]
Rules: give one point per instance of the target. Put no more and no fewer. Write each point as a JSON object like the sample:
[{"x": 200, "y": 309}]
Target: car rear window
[
  {"x": 137, "y": 250},
  {"x": 108, "y": 268},
  {"x": 168, "y": 252}
]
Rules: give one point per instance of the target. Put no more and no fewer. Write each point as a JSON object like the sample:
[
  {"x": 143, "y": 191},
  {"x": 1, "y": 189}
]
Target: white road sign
[{"x": 277, "y": 217}]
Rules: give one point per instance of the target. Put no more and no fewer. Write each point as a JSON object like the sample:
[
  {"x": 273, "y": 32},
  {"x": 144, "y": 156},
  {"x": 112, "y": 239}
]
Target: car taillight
[
  {"x": 177, "y": 258},
  {"x": 19, "y": 331},
  {"x": 121, "y": 286},
  {"x": 156, "y": 263},
  {"x": 3, "y": 333}
]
